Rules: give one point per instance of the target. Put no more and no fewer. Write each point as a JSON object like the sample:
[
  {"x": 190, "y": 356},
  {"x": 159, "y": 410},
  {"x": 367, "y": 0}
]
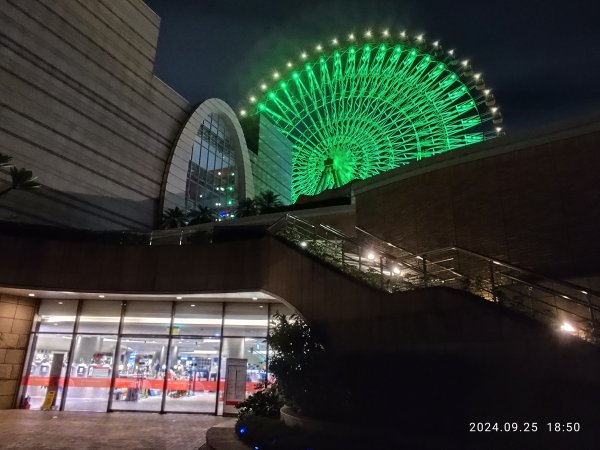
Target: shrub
[{"x": 265, "y": 403}]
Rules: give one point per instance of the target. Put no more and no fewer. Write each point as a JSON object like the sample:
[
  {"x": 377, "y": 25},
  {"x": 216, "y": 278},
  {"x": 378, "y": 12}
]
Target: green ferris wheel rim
[{"x": 354, "y": 112}]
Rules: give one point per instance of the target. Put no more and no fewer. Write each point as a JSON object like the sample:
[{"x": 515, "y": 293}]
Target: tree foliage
[
  {"x": 20, "y": 179},
  {"x": 174, "y": 218},
  {"x": 268, "y": 201},
  {"x": 202, "y": 214}
]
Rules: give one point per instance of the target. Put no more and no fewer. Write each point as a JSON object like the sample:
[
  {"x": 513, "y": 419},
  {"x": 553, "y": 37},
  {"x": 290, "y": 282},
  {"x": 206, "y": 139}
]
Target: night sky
[{"x": 541, "y": 60}]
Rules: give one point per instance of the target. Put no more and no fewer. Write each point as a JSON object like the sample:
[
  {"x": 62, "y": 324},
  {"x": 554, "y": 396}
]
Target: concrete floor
[{"x": 45, "y": 430}]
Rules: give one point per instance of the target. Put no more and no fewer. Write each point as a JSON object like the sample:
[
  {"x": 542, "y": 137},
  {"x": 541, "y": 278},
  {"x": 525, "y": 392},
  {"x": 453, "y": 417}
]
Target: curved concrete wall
[
  {"x": 177, "y": 169},
  {"x": 82, "y": 109}
]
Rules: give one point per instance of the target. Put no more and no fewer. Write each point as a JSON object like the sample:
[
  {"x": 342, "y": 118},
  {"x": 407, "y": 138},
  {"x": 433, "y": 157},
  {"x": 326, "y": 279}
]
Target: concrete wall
[
  {"x": 450, "y": 347},
  {"x": 16, "y": 319},
  {"x": 272, "y": 165},
  {"x": 529, "y": 200},
  {"x": 82, "y": 108}
]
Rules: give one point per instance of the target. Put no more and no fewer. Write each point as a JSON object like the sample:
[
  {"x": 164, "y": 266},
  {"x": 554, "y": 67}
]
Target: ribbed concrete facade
[{"x": 80, "y": 107}]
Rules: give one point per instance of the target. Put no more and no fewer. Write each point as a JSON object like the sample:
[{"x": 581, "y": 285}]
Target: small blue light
[
  {"x": 242, "y": 430},
  {"x": 256, "y": 447}
]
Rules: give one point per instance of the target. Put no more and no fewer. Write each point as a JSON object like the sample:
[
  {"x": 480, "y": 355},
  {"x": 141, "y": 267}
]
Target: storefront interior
[{"x": 146, "y": 355}]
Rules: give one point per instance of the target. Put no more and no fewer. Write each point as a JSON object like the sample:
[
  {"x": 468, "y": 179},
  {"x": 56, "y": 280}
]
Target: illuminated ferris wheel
[{"x": 360, "y": 107}]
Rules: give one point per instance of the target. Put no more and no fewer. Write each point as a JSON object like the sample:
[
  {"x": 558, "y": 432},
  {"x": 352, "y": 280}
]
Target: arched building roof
[{"x": 176, "y": 173}]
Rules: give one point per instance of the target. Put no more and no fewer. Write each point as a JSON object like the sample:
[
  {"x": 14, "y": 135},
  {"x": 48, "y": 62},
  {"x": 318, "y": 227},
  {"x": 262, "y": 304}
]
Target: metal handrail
[{"x": 486, "y": 276}]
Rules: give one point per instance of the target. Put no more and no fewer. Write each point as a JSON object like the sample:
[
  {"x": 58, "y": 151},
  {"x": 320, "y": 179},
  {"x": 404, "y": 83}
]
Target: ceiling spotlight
[
  {"x": 275, "y": 75},
  {"x": 436, "y": 44},
  {"x": 465, "y": 62},
  {"x": 243, "y": 112},
  {"x": 193, "y": 305},
  {"x": 451, "y": 52},
  {"x": 477, "y": 76},
  {"x": 319, "y": 47},
  {"x": 253, "y": 99},
  {"x": 397, "y": 270},
  {"x": 101, "y": 296},
  {"x": 254, "y": 299},
  {"x": 498, "y": 129},
  {"x": 403, "y": 34},
  {"x": 487, "y": 91},
  {"x": 31, "y": 294},
  {"x": 303, "y": 55},
  {"x": 494, "y": 109},
  {"x": 289, "y": 64},
  {"x": 351, "y": 37},
  {"x": 420, "y": 37},
  {"x": 178, "y": 297},
  {"x": 261, "y": 306},
  {"x": 368, "y": 33},
  {"x": 303, "y": 244},
  {"x": 334, "y": 41},
  {"x": 385, "y": 33},
  {"x": 263, "y": 87},
  {"x": 371, "y": 256},
  {"x": 60, "y": 303}
]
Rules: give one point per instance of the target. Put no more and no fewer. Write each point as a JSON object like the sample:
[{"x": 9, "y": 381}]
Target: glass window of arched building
[
  {"x": 212, "y": 180},
  {"x": 135, "y": 355}
]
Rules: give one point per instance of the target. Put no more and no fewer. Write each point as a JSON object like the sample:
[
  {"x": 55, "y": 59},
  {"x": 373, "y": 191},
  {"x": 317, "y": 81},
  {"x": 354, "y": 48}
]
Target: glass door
[
  {"x": 90, "y": 373},
  {"x": 192, "y": 375},
  {"x": 140, "y": 377}
]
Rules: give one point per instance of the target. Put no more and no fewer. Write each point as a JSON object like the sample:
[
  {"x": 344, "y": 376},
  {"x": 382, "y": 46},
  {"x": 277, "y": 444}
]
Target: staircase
[{"x": 567, "y": 307}]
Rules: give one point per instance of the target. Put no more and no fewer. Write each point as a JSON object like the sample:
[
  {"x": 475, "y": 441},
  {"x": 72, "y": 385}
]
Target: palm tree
[
  {"x": 22, "y": 179},
  {"x": 246, "y": 207},
  {"x": 268, "y": 201},
  {"x": 173, "y": 218},
  {"x": 202, "y": 214},
  {"x": 5, "y": 160}
]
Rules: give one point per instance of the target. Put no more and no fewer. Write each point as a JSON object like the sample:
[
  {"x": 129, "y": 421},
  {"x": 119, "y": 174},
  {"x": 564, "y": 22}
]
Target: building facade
[
  {"x": 84, "y": 111},
  {"x": 139, "y": 326}
]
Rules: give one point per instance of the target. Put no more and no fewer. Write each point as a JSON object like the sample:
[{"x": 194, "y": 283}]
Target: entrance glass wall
[{"x": 151, "y": 356}]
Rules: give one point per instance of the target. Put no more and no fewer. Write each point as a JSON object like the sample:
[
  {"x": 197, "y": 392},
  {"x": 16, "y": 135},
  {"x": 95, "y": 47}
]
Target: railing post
[
  {"x": 359, "y": 259},
  {"x": 493, "y": 282},
  {"x": 591, "y": 306},
  {"x": 381, "y": 270},
  {"x": 425, "y": 277}
]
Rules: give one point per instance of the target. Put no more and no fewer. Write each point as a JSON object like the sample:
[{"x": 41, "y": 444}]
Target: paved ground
[{"x": 45, "y": 430}]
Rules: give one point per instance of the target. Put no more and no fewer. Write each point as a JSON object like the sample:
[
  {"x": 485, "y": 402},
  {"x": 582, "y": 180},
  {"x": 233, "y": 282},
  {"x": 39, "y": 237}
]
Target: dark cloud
[{"x": 540, "y": 57}]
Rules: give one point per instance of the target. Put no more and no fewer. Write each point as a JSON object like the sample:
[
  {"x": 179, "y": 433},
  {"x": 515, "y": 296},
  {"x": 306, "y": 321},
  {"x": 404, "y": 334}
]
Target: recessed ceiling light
[
  {"x": 254, "y": 298},
  {"x": 192, "y": 305},
  {"x": 101, "y": 296},
  {"x": 60, "y": 303},
  {"x": 31, "y": 294},
  {"x": 178, "y": 298},
  {"x": 261, "y": 306}
]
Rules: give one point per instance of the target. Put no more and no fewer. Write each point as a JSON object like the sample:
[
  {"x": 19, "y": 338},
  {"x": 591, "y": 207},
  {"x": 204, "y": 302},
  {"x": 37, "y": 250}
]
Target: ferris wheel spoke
[{"x": 372, "y": 107}]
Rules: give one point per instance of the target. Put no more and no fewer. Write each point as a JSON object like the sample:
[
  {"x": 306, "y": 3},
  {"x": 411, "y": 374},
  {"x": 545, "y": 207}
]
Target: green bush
[{"x": 265, "y": 403}]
